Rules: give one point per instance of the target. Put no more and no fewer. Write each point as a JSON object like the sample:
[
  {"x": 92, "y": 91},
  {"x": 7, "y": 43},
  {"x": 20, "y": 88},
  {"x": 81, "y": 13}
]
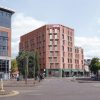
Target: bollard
[{"x": 1, "y": 85}]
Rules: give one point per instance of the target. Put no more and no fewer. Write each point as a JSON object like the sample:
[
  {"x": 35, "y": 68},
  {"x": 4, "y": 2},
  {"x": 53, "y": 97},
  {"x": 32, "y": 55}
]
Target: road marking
[{"x": 11, "y": 94}]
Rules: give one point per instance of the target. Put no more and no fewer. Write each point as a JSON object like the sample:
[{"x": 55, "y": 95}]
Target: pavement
[
  {"x": 57, "y": 89},
  {"x": 15, "y": 83}
]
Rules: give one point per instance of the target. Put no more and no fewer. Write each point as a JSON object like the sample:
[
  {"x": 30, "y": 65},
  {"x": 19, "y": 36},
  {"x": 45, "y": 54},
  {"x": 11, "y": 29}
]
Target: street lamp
[{"x": 6, "y": 54}]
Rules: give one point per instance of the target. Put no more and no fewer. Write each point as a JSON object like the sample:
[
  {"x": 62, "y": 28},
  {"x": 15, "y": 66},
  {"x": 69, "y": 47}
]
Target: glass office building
[{"x": 5, "y": 42}]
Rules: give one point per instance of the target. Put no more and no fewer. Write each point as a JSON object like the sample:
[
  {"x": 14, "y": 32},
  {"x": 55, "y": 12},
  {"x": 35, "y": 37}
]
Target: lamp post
[{"x": 6, "y": 40}]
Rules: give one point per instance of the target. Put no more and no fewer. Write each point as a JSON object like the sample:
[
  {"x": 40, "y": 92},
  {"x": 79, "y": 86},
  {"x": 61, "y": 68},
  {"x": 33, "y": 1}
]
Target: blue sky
[{"x": 82, "y": 15}]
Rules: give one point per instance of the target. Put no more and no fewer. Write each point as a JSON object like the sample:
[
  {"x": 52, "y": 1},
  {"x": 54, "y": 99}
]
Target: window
[
  {"x": 82, "y": 61},
  {"x": 5, "y": 20},
  {"x": 68, "y": 61},
  {"x": 56, "y": 42},
  {"x": 62, "y": 36},
  {"x": 50, "y": 36},
  {"x": 55, "y": 36},
  {"x": 76, "y": 50},
  {"x": 63, "y": 42},
  {"x": 68, "y": 65},
  {"x": 62, "y": 59},
  {"x": 68, "y": 38},
  {"x": 51, "y": 42},
  {"x": 68, "y": 49},
  {"x": 3, "y": 43},
  {"x": 56, "y": 65},
  {"x": 81, "y": 51},
  {"x": 50, "y": 65},
  {"x": 69, "y": 44},
  {"x": 50, "y": 48},
  {"x": 50, "y": 59},
  {"x": 63, "y": 30},
  {"x": 51, "y": 54},
  {"x": 55, "y": 30},
  {"x": 63, "y": 65},
  {"x": 55, "y": 59},
  {"x": 56, "y": 48},
  {"x": 63, "y": 48},
  {"x": 4, "y": 65},
  {"x": 51, "y": 31},
  {"x": 76, "y": 61}
]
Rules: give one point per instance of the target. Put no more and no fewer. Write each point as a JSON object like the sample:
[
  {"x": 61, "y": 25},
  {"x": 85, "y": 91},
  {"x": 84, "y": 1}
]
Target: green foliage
[
  {"x": 31, "y": 64},
  {"x": 95, "y": 65},
  {"x": 14, "y": 66},
  {"x": 21, "y": 60},
  {"x": 28, "y": 62},
  {"x": 37, "y": 67}
]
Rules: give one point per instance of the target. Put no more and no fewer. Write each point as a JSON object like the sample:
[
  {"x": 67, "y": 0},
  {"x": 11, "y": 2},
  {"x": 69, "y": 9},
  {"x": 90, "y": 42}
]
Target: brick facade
[{"x": 55, "y": 44}]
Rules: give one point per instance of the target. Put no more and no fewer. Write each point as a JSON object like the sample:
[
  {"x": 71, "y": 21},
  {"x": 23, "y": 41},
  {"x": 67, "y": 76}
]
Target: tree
[
  {"x": 22, "y": 60},
  {"x": 28, "y": 63},
  {"x": 31, "y": 64},
  {"x": 95, "y": 66},
  {"x": 36, "y": 64},
  {"x": 14, "y": 66}
]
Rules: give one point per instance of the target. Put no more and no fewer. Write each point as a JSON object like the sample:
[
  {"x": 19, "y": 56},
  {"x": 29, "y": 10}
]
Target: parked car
[{"x": 93, "y": 76}]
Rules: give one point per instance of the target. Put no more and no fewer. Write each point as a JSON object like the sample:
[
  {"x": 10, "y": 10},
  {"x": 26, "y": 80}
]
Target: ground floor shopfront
[
  {"x": 64, "y": 72},
  {"x": 5, "y": 66}
]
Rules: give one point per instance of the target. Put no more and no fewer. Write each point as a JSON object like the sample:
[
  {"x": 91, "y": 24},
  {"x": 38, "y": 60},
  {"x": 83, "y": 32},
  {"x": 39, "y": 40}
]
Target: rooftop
[{"x": 7, "y": 10}]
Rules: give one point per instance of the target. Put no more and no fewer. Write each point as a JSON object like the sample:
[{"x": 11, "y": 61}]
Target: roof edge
[{"x": 7, "y": 9}]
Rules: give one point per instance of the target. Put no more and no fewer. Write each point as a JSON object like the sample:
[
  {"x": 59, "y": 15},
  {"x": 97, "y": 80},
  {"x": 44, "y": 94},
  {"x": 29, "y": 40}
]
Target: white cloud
[
  {"x": 22, "y": 24},
  {"x": 91, "y": 46}
]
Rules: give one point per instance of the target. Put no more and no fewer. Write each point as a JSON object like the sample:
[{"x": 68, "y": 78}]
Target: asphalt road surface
[{"x": 57, "y": 89}]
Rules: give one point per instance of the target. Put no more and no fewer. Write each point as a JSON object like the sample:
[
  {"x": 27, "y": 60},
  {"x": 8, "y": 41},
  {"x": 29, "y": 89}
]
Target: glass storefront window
[
  {"x": 3, "y": 43},
  {"x": 4, "y": 65}
]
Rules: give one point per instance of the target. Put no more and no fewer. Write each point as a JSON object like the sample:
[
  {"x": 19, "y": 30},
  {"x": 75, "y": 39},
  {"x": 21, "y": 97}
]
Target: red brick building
[{"x": 55, "y": 44}]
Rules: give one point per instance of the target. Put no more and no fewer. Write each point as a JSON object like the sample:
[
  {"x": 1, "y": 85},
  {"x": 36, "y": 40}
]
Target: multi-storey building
[
  {"x": 79, "y": 59},
  {"x": 87, "y": 71},
  {"x": 5, "y": 41},
  {"x": 55, "y": 45}
]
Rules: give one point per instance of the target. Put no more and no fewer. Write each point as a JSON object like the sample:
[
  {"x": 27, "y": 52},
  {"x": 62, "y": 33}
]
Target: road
[{"x": 58, "y": 89}]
